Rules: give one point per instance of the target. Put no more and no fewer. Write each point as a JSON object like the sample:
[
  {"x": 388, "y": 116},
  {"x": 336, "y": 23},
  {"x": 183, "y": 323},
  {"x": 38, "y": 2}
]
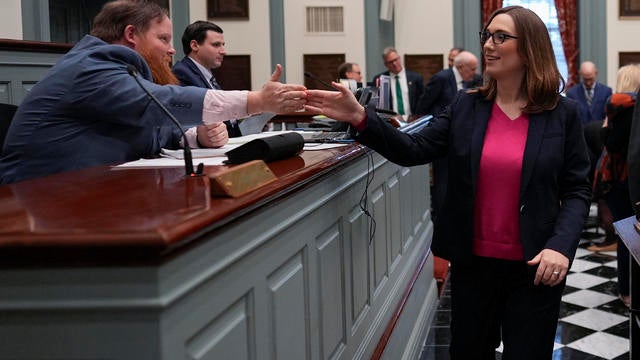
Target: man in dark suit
[
  {"x": 203, "y": 43},
  {"x": 452, "y": 55},
  {"x": 444, "y": 85},
  {"x": 590, "y": 94},
  {"x": 438, "y": 94},
  {"x": 477, "y": 78},
  {"x": 90, "y": 108},
  {"x": 406, "y": 85}
]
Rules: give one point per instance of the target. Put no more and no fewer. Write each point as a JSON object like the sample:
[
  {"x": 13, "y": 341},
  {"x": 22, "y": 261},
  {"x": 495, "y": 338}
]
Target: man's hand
[
  {"x": 213, "y": 135},
  {"x": 277, "y": 97}
]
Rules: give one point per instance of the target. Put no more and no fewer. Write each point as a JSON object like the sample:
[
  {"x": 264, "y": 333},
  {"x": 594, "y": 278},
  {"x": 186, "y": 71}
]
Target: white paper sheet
[{"x": 174, "y": 158}]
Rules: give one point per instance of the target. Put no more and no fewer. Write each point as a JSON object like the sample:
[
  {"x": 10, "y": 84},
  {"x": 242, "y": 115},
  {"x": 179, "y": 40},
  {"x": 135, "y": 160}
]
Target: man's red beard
[{"x": 160, "y": 68}]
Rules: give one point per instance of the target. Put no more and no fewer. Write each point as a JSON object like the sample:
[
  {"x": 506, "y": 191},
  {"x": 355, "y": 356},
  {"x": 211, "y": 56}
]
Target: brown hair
[
  {"x": 114, "y": 17},
  {"x": 542, "y": 81},
  {"x": 343, "y": 69}
]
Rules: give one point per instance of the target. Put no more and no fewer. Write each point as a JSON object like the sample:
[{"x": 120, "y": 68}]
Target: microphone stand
[{"x": 188, "y": 159}]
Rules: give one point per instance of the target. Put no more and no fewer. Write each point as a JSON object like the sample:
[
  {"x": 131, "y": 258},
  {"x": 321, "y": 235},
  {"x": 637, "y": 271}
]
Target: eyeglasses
[
  {"x": 392, "y": 60},
  {"x": 497, "y": 37}
]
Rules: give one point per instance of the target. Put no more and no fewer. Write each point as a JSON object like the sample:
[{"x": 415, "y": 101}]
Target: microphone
[
  {"x": 188, "y": 159},
  {"x": 313, "y": 77}
]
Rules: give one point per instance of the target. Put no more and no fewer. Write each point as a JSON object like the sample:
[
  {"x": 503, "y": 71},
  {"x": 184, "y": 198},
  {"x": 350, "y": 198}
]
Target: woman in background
[
  {"x": 518, "y": 188},
  {"x": 610, "y": 180}
]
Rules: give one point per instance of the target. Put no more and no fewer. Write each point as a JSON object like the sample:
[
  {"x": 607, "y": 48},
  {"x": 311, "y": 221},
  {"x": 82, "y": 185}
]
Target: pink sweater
[{"x": 496, "y": 216}]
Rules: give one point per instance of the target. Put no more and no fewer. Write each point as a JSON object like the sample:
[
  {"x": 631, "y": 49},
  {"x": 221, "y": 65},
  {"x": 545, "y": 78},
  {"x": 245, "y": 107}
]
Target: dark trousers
[
  {"x": 619, "y": 202},
  {"x": 493, "y": 300}
]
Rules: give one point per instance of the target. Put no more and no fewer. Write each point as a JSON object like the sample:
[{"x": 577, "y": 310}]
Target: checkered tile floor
[{"x": 594, "y": 323}]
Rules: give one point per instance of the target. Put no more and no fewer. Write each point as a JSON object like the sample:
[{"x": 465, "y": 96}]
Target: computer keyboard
[{"x": 326, "y": 136}]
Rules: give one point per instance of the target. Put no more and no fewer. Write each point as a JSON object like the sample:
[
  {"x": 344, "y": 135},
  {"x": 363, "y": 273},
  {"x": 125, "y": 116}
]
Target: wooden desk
[
  {"x": 631, "y": 239},
  {"x": 144, "y": 264}
]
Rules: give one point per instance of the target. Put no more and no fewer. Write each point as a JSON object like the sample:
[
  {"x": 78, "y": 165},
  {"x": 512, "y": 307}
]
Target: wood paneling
[
  {"x": 625, "y": 58},
  {"x": 228, "y": 9},
  {"x": 235, "y": 72},
  {"x": 426, "y": 65},
  {"x": 324, "y": 67}
]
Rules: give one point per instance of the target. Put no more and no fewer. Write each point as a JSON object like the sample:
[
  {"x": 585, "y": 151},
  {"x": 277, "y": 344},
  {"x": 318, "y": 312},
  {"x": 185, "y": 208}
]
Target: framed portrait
[
  {"x": 630, "y": 9},
  {"x": 228, "y": 9}
]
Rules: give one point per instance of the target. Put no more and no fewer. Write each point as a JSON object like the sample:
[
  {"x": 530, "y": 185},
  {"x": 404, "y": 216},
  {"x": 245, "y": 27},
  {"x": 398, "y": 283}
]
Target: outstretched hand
[
  {"x": 277, "y": 97},
  {"x": 339, "y": 105},
  {"x": 275, "y": 75}
]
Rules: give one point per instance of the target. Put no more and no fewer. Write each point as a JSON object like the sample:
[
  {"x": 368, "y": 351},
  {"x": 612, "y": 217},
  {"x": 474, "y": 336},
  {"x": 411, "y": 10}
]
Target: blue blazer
[
  {"x": 415, "y": 83},
  {"x": 554, "y": 189},
  {"x": 89, "y": 111},
  {"x": 189, "y": 75},
  {"x": 597, "y": 111},
  {"x": 438, "y": 93}
]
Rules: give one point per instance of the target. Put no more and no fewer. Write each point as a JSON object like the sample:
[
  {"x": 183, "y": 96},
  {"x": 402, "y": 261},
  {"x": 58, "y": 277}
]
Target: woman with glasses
[{"x": 518, "y": 192}]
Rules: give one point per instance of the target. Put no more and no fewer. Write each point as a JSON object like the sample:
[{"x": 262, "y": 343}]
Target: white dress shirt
[{"x": 402, "y": 77}]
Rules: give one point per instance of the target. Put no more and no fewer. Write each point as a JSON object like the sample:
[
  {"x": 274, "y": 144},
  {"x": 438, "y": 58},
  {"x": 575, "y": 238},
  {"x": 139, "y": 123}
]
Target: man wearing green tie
[{"x": 406, "y": 85}]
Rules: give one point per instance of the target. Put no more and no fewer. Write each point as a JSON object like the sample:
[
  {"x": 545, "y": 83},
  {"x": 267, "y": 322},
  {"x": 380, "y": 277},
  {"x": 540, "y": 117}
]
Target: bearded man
[{"x": 89, "y": 111}]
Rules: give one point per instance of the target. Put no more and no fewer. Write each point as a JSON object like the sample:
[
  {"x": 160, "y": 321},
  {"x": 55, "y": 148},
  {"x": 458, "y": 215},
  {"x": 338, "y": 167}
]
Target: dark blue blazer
[
  {"x": 189, "y": 75},
  {"x": 88, "y": 111},
  {"x": 554, "y": 189},
  {"x": 597, "y": 111},
  {"x": 415, "y": 83},
  {"x": 438, "y": 93}
]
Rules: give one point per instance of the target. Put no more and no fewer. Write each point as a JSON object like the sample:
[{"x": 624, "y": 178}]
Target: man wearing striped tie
[{"x": 590, "y": 94}]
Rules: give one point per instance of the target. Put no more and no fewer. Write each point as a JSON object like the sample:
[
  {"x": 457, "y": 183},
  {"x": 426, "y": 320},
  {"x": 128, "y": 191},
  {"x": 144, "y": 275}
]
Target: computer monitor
[{"x": 384, "y": 92}]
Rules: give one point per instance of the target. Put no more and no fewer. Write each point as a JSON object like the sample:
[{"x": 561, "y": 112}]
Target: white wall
[
  {"x": 622, "y": 36},
  {"x": 415, "y": 36},
  {"x": 298, "y": 42},
  {"x": 244, "y": 37},
  {"x": 11, "y": 19}
]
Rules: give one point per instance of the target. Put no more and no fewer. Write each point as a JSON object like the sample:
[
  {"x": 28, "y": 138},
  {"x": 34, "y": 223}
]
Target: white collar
[
  {"x": 457, "y": 75},
  {"x": 205, "y": 72}
]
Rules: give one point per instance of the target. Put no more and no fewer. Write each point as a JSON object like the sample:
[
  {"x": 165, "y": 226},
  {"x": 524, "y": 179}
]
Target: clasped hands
[
  {"x": 286, "y": 98},
  {"x": 274, "y": 97}
]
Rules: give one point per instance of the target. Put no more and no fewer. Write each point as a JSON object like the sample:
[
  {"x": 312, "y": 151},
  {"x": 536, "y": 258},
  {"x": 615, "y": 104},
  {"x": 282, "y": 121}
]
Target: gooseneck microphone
[
  {"x": 313, "y": 77},
  {"x": 188, "y": 159}
]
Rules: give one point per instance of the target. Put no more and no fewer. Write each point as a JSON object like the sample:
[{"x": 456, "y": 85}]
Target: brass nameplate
[{"x": 241, "y": 179}]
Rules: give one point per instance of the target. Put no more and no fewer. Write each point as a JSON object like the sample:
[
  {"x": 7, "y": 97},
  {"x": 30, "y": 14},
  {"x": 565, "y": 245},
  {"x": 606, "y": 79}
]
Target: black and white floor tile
[{"x": 593, "y": 324}]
